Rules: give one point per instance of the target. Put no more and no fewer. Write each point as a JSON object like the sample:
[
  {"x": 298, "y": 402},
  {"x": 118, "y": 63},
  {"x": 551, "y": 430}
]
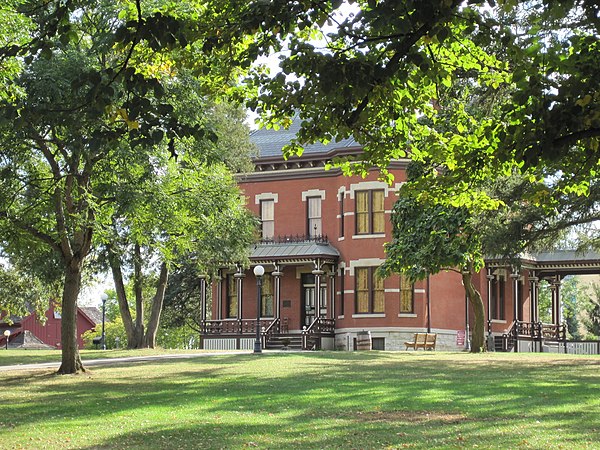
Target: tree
[
  {"x": 183, "y": 213},
  {"x": 427, "y": 239},
  {"x": 85, "y": 85},
  {"x": 388, "y": 72},
  {"x": 592, "y": 322},
  {"x": 21, "y": 294}
]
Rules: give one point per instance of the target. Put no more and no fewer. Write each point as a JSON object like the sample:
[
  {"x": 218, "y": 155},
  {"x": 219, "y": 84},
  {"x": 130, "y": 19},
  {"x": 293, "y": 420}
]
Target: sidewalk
[{"x": 124, "y": 360}]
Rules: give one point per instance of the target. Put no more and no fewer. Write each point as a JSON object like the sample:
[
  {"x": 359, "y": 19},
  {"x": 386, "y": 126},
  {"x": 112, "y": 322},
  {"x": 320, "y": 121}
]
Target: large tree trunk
[
  {"x": 157, "y": 305},
  {"x": 139, "y": 296},
  {"x": 478, "y": 331},
  {"x": 130, "y": 331},
  {"x": 71, "y": 361}
]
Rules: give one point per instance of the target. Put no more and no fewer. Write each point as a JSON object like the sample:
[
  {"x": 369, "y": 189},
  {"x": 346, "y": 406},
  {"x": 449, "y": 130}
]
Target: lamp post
[
  {"x": 104, "y": 297},
  {"x": 259, "y": 271},
  {"x": 6, "y": 335}
]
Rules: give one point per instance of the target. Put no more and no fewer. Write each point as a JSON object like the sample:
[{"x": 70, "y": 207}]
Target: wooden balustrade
[
  {"x": 235, "y": 326},
  {"x": 311, "y": 335}
]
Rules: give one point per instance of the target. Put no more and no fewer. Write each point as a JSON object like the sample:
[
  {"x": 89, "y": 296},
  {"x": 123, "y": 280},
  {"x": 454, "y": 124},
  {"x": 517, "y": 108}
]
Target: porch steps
[
  {"x": 498, "y": 347},
  {"x": 277, "y": 341}
]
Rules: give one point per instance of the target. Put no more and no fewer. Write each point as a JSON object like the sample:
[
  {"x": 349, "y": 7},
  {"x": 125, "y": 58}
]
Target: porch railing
[
  {"x": 311, "y": 335},
  {"x": 536, "y": 331},
  {"x": 269, "y": 331},
  {"x": 235, "y": 326},
  {"x": 297, "y": 238}
]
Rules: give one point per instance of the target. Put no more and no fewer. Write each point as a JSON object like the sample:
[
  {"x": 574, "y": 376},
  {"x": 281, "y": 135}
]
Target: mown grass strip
[{"x": 311, "y": 400}]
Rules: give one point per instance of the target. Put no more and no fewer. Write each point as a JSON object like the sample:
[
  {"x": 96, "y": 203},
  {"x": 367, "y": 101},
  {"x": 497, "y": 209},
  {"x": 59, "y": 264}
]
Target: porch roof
[
  {"x": 558, "y": 262},
  {"x": 299, "y": 252}
]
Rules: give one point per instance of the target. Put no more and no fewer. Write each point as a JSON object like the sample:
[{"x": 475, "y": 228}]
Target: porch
[
  {"x": 288, "y": 306},
  {"x": 541, "y": 337},
  {"x": 272, "y": 334}
]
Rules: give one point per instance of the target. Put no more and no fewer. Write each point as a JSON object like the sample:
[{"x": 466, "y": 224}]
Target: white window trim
[
  {"x": 266, "y": 196},
  {"x": 365, "y": 262},
  {"x": 407, "y": 315},
  {"x": 368, "y": 316},
  {"x": 368, "y": 236},
  {"x": 313, "y": 193},
  {"x": 369, "y": 186}
]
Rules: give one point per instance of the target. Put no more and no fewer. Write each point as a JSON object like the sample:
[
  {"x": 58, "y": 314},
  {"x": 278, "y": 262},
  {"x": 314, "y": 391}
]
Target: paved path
[{"x": 125, "y": 360}]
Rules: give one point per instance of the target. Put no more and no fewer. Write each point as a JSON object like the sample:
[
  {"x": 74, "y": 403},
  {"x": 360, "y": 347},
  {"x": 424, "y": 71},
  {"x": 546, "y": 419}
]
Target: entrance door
[
  {"x": 309, "y": 305},
  {"x": 309, "y": 299}
]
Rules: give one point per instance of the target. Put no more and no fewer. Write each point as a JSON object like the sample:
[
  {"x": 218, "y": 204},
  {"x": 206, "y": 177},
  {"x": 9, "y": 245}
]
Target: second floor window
[
  {"x": 314, "y": 216},
  {"x": 370, "y": 212},
  {"x": 370, "y": 294},
  {"x": 342, "y": 215},
  {"x": 267, "y": 218}
]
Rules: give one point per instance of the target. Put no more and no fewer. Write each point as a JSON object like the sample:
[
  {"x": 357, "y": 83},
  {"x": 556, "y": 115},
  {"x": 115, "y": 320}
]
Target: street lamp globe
[
  {"x": 6, "y": 335},
  {"x": 259, "y": 271}
]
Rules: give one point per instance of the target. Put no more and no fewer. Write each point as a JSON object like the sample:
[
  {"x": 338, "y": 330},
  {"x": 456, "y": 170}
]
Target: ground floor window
[
  {"x": 378, "y": 343},
  {"x": 370, "y": 294},
  {"x": 231, "y": 302},
  {"x": 266, "y": 300}
]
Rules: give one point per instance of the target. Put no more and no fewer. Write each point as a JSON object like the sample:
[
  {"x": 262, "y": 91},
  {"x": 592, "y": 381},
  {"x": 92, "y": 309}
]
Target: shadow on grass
[{"x": 324, "y": 400}]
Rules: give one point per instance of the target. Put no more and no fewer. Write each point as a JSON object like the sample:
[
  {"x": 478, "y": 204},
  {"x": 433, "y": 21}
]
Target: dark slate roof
[
  {"x": 293, "y": 250},
  {"x": 270, "y": 141},
  {"x": 566, "y": 255}
]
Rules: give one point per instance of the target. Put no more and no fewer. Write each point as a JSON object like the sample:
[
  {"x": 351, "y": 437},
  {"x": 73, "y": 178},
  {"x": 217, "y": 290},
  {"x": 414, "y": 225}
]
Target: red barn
[{"x": 48, "y": 333}]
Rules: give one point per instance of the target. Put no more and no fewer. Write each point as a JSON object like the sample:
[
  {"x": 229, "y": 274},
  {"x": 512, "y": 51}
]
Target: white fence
[
  {"x": 228, "y": 344},
  {"x": 572, "y": 347}
]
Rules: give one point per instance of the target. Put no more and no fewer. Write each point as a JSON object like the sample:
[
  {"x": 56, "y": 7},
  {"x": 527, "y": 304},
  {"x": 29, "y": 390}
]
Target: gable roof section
[{"x": 92, "y": 313}]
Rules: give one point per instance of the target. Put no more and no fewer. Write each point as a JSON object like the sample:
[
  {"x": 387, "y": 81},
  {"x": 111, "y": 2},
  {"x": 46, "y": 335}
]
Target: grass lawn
[{"x": 310, "y": 401}]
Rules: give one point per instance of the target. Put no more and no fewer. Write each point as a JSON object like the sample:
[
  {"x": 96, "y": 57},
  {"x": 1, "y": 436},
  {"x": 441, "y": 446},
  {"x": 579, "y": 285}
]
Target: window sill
[
  {"x": 341, "y": 238},
  {"x": 407, "y": 315},
  {"x": 340, "y": 317},
  {"x": 368, "y": 236},
  {"x": 368, "y": 316},
  {"x": 498, "y": 321}
]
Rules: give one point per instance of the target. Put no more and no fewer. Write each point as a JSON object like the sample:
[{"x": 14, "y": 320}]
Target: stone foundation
[{"x": 393, "y": 339}]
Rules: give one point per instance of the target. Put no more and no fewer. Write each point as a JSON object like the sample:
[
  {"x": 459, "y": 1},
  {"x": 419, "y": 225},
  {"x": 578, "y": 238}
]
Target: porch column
[
  {"x": 331, "y": 308},
  {"x": 534, "y": 298},
  {"x": 277, "y": 274},
  {"x": 515, "y": 277},
  {"x": 317, "y": 272},
  {"x": 490, "y": 279},
  {"x": 556, "y": 313},
  {"x": 239, "y": 282},
  {"x": 218, "y": 305},
  {"x": 203, "y": 303}
]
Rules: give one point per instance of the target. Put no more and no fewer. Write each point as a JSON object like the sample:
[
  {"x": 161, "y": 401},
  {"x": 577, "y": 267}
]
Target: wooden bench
[
  {"x": 426, "y": 341},
  {"x": 430, "y": 341},
  {"x": 417, "y": 342}
]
